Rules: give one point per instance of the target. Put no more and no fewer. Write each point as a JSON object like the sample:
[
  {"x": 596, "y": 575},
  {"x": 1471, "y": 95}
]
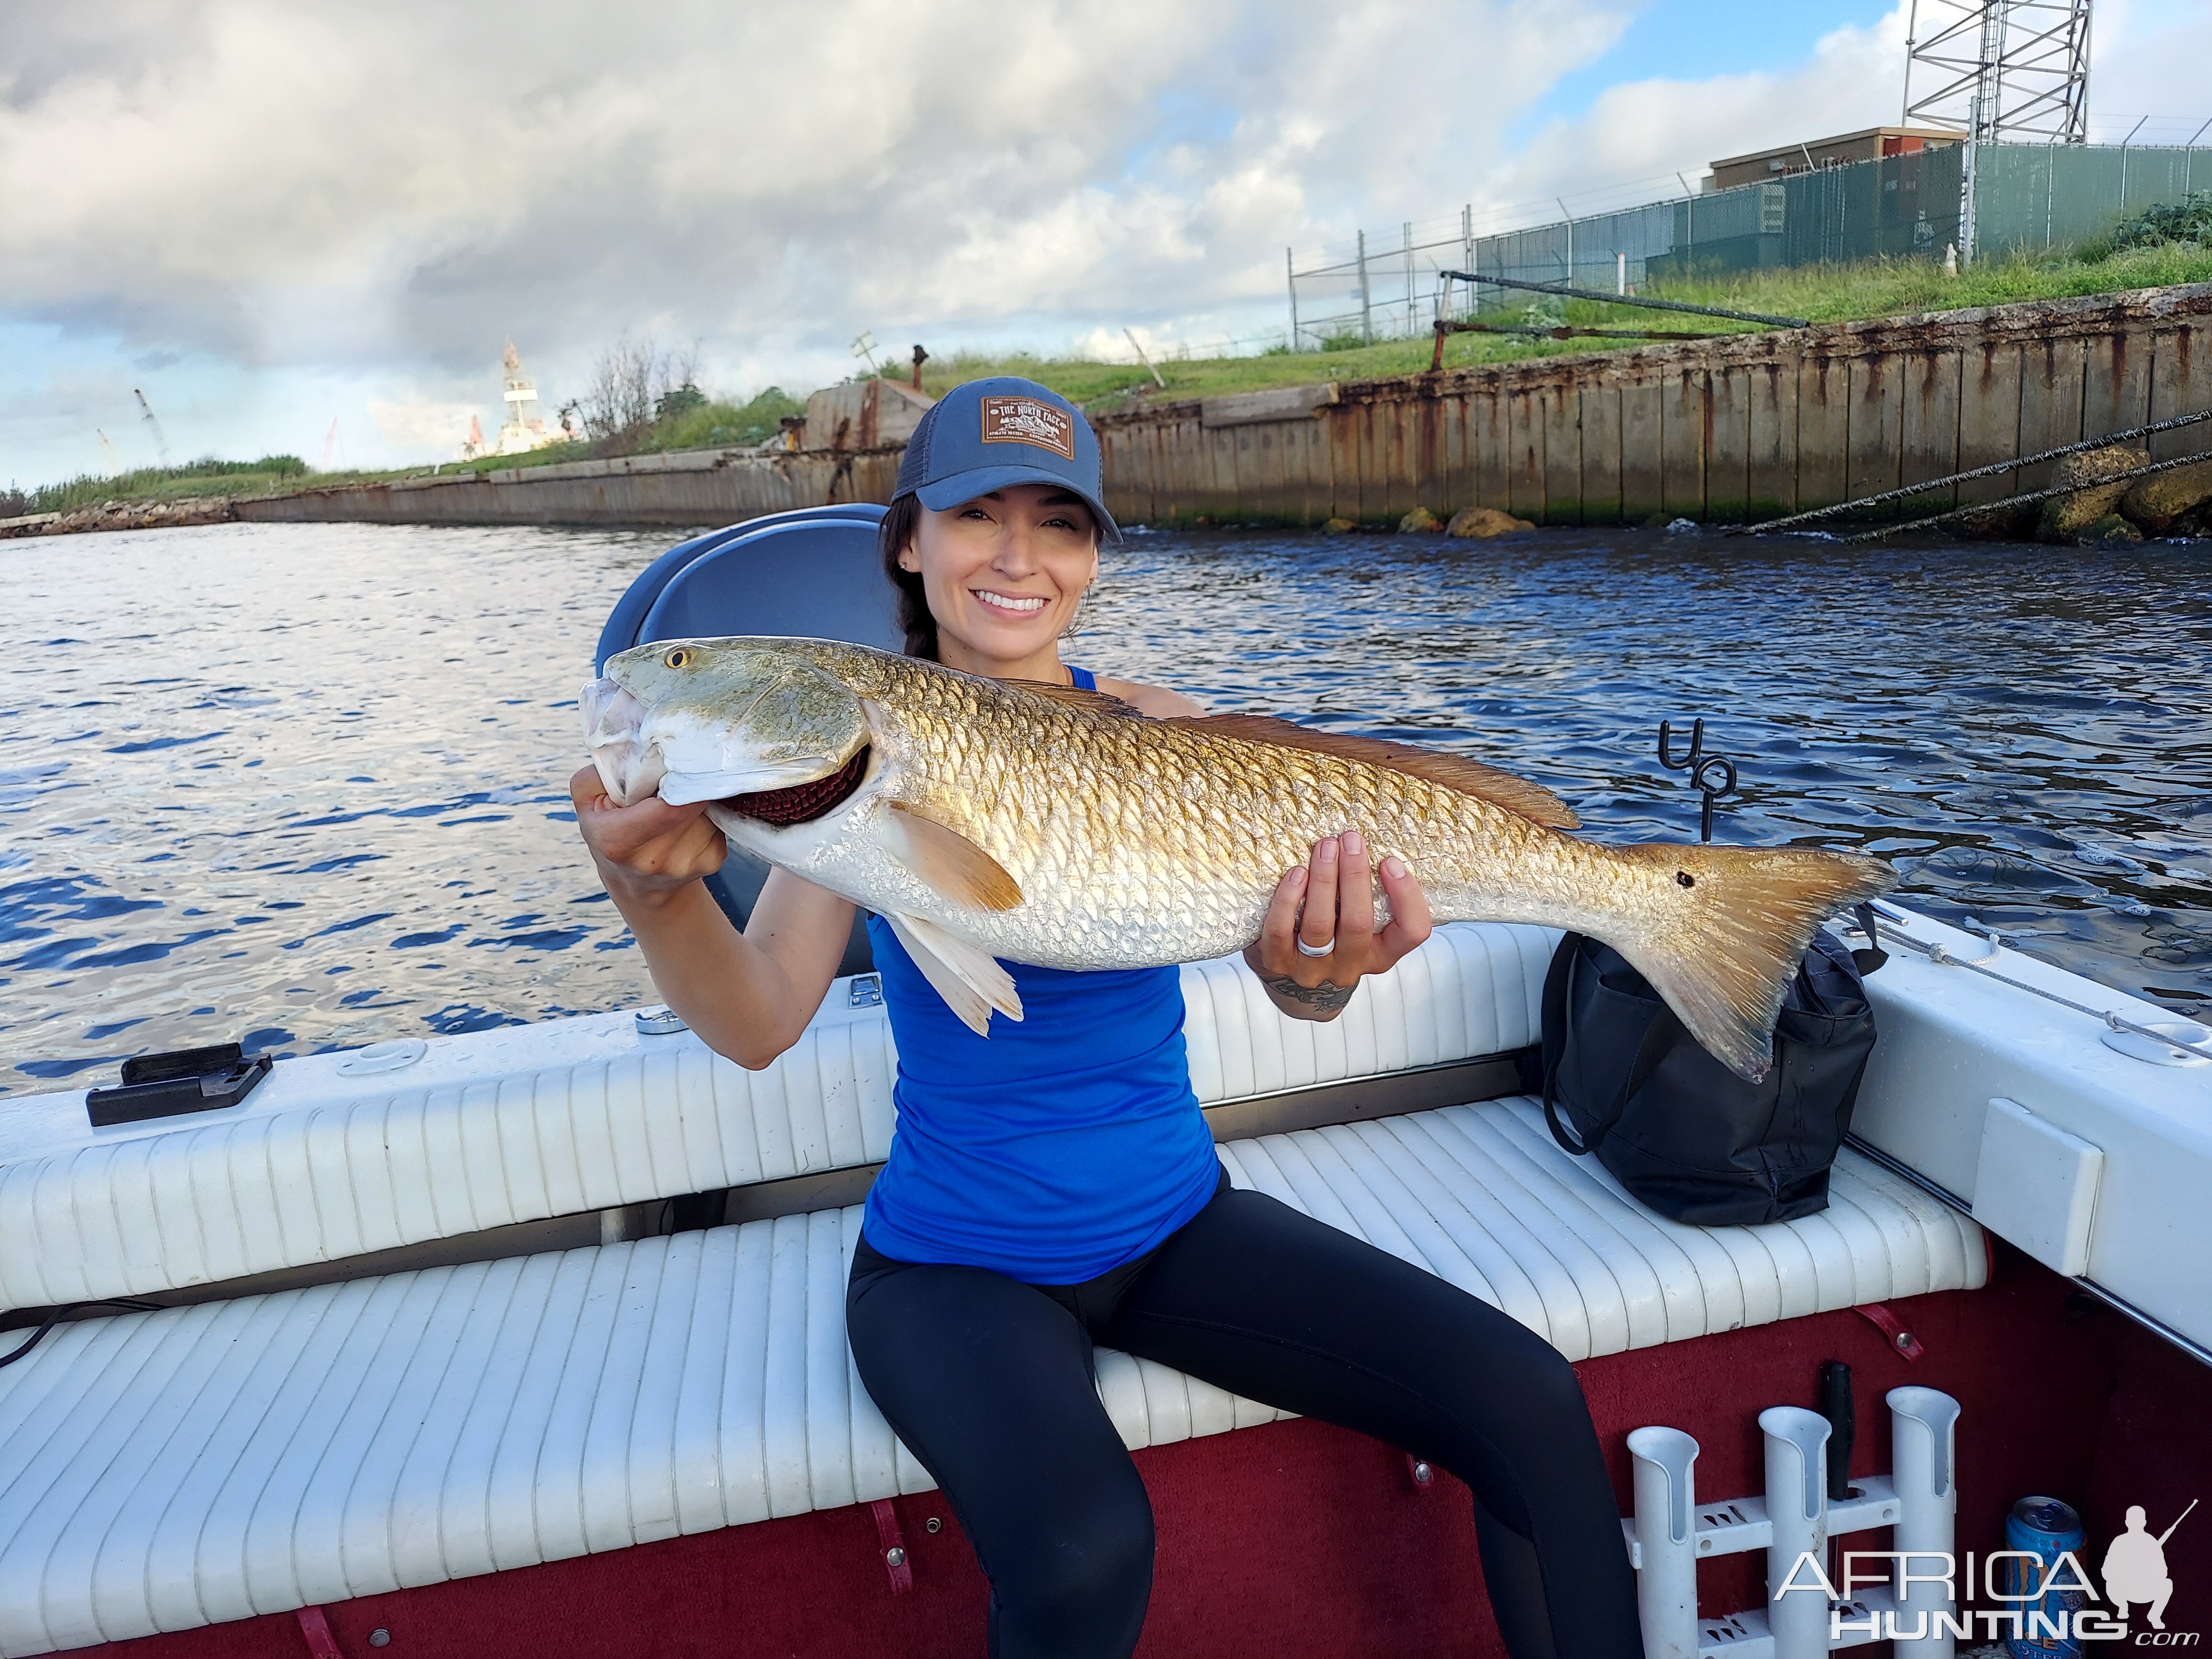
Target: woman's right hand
[{"x": 648, "y": 850}]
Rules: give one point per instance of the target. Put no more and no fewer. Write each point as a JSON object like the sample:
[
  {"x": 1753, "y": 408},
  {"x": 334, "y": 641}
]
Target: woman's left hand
[{"x": 1329, "y": 902}]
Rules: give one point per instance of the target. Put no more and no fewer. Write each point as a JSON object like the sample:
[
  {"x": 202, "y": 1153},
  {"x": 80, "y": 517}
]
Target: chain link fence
[{"x": 2026, "y": 198}]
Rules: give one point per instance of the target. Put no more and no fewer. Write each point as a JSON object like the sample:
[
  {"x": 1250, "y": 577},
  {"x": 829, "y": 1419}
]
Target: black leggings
[{"x": 989, "y": 1383}]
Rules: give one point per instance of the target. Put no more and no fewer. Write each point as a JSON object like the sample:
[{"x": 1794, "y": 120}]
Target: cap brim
[{"x": 966, "y": 486}]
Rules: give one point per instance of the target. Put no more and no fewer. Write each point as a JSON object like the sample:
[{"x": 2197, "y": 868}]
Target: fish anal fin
[
  {"x": 966, "y": 976},
  {"x": 1454, "y": 772},
  {"x": 951, "y": 864},
  {"x": 1096, "y": 703}
]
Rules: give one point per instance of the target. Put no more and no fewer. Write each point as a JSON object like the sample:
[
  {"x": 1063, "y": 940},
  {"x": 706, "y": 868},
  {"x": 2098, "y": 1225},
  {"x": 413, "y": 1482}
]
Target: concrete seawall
[
  {"x": 1750, "y": 426},
  {"x": 690, "y": 488}
]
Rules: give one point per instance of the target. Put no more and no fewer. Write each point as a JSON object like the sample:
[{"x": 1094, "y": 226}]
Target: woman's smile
[{"x": 1018, "y": 605}]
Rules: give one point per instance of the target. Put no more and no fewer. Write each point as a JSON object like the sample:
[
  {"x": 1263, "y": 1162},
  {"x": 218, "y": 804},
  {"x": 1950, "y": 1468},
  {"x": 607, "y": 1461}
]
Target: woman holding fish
[{"x": 1039, "y": 844}]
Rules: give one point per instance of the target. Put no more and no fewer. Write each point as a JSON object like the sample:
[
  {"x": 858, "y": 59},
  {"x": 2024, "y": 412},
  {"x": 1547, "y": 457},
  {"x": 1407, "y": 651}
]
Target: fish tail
[{"x": 1731, "y": 930}]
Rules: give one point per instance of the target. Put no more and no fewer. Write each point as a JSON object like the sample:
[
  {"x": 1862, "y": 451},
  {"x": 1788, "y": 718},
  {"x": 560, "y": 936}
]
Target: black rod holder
[{"x": 1711, "y": 775}]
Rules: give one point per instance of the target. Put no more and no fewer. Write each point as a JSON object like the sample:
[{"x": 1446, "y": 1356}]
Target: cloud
[
  {"x": 426, "y": 425},
  {"x": 309, "y": 209},
  {"x": 402, "y": 184}
]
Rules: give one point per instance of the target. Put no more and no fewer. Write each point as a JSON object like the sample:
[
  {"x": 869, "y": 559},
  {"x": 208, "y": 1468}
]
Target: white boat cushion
[
  {"x": 315, "y": 1167},
  {"x": 165, "y": 1470}
]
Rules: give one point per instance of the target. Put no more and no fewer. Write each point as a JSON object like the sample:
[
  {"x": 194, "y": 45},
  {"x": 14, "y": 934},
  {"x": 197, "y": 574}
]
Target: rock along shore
[{"x": 123, "y": 515}]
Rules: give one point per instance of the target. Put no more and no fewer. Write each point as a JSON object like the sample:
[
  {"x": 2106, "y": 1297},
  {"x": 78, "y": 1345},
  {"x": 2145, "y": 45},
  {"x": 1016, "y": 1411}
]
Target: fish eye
[{"x": 679, "y": 657}]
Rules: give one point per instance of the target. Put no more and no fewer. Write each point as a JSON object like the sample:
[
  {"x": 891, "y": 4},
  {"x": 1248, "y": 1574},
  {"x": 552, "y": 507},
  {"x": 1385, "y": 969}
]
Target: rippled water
[{"x": 305, "y": 785}]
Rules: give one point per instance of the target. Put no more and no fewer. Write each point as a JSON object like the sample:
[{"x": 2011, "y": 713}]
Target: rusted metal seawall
[
  {"x": 1752, "y": 426},
  {"x": 689, "y": 488},
  {"x": 1747, "y": 427}
]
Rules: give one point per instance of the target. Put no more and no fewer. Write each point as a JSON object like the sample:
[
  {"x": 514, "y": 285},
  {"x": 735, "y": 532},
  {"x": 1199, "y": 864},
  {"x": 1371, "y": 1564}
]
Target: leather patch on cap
[{"x": 1010, "y": 420}]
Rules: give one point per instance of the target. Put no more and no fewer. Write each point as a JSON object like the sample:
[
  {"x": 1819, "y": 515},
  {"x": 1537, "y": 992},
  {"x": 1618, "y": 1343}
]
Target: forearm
[{"x": 736, "y": 997}]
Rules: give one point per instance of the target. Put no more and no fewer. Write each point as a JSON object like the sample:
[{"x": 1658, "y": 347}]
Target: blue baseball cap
[{"x": 988, "y": 434}]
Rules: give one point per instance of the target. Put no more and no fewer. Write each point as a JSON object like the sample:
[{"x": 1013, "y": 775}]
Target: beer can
[{"x": 2043, "y": 1528}]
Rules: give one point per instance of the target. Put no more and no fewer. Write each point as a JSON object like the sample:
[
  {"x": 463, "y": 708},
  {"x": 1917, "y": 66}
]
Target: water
[{"x": 306, "y": 785}]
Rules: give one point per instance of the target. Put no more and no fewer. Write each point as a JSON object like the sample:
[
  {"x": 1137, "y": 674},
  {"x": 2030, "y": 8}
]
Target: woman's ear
[{"x": 910, "y": 559}]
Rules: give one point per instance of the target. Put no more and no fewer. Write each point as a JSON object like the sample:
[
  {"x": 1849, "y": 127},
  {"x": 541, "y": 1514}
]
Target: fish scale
[{"x": 1135, "y": 842}]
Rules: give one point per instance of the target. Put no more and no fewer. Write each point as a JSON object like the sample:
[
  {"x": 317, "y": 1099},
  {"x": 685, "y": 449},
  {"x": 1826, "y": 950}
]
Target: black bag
[{"x": 1679, "y": 1130}]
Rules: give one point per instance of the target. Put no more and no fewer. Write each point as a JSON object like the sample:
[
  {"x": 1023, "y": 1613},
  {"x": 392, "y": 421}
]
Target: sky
[{"x": 311, "y": 229}]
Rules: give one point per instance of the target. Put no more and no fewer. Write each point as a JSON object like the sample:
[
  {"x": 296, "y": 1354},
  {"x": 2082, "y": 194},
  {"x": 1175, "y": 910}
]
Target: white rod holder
[
  {"x": 1666, "y": 1538},
  {"x": 1922, "y": 1440},
  {"x": 1797, "y": 1505}
]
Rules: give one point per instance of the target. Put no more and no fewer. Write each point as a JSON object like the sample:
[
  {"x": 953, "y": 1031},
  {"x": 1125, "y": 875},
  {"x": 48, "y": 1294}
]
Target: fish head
[{"x": 704, "y": 720}]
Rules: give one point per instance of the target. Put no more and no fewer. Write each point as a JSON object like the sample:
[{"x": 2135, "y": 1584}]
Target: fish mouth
[
  {"x": 629, "y": 767},
  {"x": 802, "y": 803}
]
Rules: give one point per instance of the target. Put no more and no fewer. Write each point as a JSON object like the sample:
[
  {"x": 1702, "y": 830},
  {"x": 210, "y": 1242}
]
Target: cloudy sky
[{"x": 271, "y": 216}]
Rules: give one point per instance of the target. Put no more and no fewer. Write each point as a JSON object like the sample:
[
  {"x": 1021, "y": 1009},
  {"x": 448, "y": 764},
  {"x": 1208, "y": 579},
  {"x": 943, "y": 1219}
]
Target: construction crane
[
  {"x": 331, "y": 448},
  {"x": 161, "y": 443}
]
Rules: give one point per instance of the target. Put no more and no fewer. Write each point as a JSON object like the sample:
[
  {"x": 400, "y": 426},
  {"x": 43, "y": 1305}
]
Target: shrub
[{"x": 2188, "y": 220}]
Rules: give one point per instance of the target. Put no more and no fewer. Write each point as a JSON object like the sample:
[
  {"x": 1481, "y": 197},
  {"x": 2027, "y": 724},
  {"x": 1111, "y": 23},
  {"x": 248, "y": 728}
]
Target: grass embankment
[
  {"x": 700, "y": 423},
  {"x": 1833, "y": 295}
]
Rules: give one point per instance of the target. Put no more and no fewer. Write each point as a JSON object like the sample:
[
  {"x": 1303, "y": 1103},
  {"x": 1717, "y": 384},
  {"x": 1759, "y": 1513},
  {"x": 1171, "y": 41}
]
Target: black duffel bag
[{"x": 1682, "y": 1132}]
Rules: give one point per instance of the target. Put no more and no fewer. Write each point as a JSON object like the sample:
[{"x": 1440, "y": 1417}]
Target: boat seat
[
  {"x": 814, "y": 572},
  {"x": 165, "y": 1470},
  {"x": 525, "y": 1123}
]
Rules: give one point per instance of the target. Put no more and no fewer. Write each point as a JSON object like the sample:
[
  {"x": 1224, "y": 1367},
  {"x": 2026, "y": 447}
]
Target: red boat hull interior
[{"x": 1299, "y": 1539}]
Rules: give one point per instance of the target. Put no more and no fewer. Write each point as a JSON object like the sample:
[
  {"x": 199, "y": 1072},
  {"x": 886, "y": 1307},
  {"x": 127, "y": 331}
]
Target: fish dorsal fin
[
  {"x": 966, "y": 976},
  {"x": 1453, "y": 772},
  {"x": 951, "y": 864},
  {"x": 1097, "y": 702}
]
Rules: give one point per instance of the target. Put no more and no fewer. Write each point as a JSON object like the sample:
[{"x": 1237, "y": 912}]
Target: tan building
[{"x": 1868, "y": 145}]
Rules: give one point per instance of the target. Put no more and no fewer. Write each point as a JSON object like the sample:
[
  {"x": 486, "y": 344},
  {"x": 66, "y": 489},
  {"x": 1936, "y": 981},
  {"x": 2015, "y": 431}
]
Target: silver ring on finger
[{"x": 1306, "y": 950}]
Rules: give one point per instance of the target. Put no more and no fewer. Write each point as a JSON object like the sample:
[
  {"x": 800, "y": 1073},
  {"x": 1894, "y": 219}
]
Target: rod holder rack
[{"x": 1671, "y": 1532}]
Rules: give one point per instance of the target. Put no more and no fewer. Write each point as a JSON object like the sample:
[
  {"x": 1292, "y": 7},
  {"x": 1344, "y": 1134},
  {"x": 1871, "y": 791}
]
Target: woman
[{"x": 1055, "y": 1184}]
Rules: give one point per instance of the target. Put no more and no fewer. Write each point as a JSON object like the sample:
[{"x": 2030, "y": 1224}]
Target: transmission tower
[{"x": 2016, "y": 70}]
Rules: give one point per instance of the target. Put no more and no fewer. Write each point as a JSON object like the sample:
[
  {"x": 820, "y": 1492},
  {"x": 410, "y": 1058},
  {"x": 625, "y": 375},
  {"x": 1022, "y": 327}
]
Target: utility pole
[
  {"x": 1290, "y": 277},
  {"x": 1366, "y": 322},
  {"x": 1412, "y": 319},
  {"x": 1466, "y": 249},
  {"x": 1145, "y": 361}
]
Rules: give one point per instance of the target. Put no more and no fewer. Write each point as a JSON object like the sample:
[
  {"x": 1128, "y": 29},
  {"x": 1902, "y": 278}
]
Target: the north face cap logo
[{"x": 1008, "y": 420}]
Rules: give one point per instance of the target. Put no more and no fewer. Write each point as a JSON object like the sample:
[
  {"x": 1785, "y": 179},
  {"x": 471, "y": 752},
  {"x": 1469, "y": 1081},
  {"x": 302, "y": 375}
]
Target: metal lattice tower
[{"x": 2011, "y": 69}]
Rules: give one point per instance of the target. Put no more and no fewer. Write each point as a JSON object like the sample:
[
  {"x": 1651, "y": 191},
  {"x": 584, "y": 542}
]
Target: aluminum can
[{"x": 2044, "y": 1527}]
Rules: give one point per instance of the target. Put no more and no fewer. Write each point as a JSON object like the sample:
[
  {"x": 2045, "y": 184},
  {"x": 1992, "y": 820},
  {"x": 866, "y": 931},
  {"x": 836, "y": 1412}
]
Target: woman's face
[{"x": 1003, "y": 573}]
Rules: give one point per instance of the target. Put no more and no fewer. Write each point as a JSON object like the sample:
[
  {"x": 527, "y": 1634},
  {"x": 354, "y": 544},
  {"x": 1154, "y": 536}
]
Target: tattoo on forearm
[{"x": 1327, "y": 996}]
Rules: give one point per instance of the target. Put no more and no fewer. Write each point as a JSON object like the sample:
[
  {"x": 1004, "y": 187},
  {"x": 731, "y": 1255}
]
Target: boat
[{"x": 530, "y": 1340}]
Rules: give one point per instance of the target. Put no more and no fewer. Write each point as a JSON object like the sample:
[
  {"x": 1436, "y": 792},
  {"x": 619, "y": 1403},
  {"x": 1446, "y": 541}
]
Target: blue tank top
[{"x": 1058, "y": 1148}]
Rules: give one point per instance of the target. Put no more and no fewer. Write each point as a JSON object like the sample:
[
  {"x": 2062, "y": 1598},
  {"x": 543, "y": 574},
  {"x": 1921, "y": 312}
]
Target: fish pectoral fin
[
  {"x": 952, "y": 865},
  {"x": 966, "y": 976}
]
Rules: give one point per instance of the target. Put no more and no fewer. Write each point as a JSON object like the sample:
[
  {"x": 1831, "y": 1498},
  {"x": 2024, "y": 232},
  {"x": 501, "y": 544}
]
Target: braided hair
[{"x": 900, "y": 523}]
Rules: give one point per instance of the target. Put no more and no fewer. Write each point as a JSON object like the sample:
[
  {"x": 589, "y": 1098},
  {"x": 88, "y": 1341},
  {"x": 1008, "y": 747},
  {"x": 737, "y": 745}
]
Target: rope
[
  {"x": 1859, "y": 503},
  {"x": 1563, "y": 290},
  {"x": 64, "y": 1311},
  {"x": 1940, "y": 956},
  {"x": 2028, "y": 500}
]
